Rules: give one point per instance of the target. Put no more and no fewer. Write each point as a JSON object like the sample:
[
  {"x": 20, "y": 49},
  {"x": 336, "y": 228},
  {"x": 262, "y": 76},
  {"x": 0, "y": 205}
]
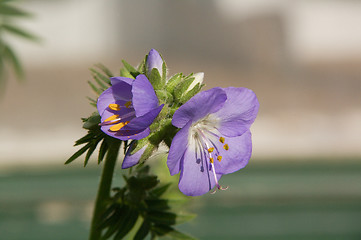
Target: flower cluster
[{"x": 208, "y": 133}]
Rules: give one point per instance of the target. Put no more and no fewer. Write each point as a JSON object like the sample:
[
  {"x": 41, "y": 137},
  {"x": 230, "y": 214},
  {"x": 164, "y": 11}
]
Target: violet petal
[
  {"x": 199, "y": 106},
  {"x": 144, "y": 98}
]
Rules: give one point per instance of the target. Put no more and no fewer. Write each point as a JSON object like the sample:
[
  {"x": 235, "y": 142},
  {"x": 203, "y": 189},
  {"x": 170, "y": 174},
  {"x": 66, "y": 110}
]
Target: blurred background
[{"x": 302, "y": 58}]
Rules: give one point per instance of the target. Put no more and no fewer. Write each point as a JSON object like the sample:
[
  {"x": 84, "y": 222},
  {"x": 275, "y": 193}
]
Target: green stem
[{"x": 105, "y": 184}]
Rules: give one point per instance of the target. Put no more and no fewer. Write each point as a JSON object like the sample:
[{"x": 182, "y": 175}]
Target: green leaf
[
  {"x": 78, "y": 153},
  {"x": 92, "y": 122},
  {"x": 2, "y": 74},
  {"x": 142, "y": 67},
  {"x": 188, "y": 95},
  {"x": 95, "y": 88},
  {"x": 164, "y": 230},
  {"x": 125, "y": 73},
  {"x": 119, "y": 218},
  {"x": 130, "y": 69},
  {"x": 102, "y": 150},
  {"x": 11, "y": 56},
  {"x": 84, "y": 139},
  {"x": 101, "y": 77},
  {"x": 6, "y": 9},
  {"x": 164, "y": 96},
  {"x": 108, "y": 217},
  {"x": 161, "y": 217},
  {"x": 92, "y": 101},
  {"x": 155, "y": 79},
  {"x": 128, "y": 225},
  {"x": 164, "y": 72},
  {"x": 181, "y": 88},
  {"x": 142, "y": 231},
  {"x": 169, "y": 218},
  {"x": 182, "y": 217},
  {"x": 159, "y": 191},
  {"x": 19, "y": 32},
  {"x": 173, "y": 82},
  {"x": 105, "y": 70},
  {"x": 92, "y": 147},
  {"x": 165, "y": 204}
]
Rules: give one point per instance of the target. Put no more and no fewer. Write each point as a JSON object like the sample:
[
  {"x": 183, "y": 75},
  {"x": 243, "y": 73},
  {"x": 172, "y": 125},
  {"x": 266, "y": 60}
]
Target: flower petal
[
  {"x": 238, "y": 153},
  {"x": 141, "y": 123},
  {"x": 131, "y": 160},
  {"x": 199, "y": 106},
  {"x": 121, "y": 91},
  {"x": 132, "y": 134},
  {"x": 144, "y": 98},
  {"x": 239, "y": 111},
  {"x": 177, "y": 149},
  {"x": 115, "y": 80},
  {"x": 195, "y": 178}
]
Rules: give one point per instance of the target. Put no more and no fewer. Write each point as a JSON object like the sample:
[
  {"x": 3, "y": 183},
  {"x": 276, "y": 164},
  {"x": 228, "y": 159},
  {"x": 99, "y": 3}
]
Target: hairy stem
[{"x": 104, "y": 188}]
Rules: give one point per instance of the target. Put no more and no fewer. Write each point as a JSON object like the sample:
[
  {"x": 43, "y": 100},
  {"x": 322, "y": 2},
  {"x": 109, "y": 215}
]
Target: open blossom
[
  {"x": 214, "y": 138},
  {"x": 128, "y": 108}
]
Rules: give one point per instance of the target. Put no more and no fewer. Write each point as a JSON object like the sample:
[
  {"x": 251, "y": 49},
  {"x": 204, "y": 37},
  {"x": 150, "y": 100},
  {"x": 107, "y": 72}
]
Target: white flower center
[{"x": 203, "y": 137}]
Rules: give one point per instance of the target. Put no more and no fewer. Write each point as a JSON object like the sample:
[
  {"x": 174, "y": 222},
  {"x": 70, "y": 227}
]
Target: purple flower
[
  {"x": 154, "y": 60},
  {"x": 128, "y": 108},
  {"x": 214, "y": 138}
]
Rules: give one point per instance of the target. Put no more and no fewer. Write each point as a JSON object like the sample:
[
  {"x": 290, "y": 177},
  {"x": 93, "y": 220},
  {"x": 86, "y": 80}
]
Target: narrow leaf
[
  {"x": 155, "y": 79},
  {"x": 6, "y": 9},
  {"x": 78, "y": 154},
  {"x": 159, "y": 191},
  {"x": 92, "y": 147},
  {"x": 127, "y": 226},
  {"x": 173, "y": 82},
  {"x": 10, "y": 54},
  {"x": 95, "y": 89},
  {"x": 101, "y": 78},
  {"x": 102, "y": 151},
  {"x": 105, "y": 70},
  {"x": 19, "y": 32},
  {"x": 121, "y": 216},
  {"x": 125, "y": 73},
  {"x": 161, "y": 217},
  {"x": 142, "y": 231},
  {"x": 84, "y": 139},
  {"x": 130, "y": 69}
]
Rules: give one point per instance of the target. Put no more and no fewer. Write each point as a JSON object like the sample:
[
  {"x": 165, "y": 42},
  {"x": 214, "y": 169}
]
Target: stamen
[
  {"x": 226, "y": 147},
  {"x": 127, "y": 104},
  {"x": 211, "y": 160},
  {"x": 221, "y": 139},
  {"x": 118, "y": 126},
  {"x": 219, "y": 158},
  {"x": 114, "y": 106},
  {"x": 111, "y": 118},
  {"x": 210, "y": 149}
]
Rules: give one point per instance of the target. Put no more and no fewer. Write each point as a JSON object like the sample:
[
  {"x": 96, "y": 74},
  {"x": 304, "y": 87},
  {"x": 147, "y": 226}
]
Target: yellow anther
[
  {"x": 114, "y": 106},
  {"x": 210, "y": 149},
  {"x": 118, "y": 126},
  {"x": 226, "y": 147},
  {"x": 127, "y": 104},
  {"x": 219, "y": 158},
  {"x": 111, "y": 118},
  {"x": 221, "y": 139},
  {"x": 211, "y": 160}
]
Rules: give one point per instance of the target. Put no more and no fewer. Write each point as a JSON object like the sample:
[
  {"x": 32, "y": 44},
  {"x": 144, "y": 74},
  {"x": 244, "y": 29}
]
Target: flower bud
[
  {"x": 154, "y": 60},
  {"x": 198, "y": 78}
]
